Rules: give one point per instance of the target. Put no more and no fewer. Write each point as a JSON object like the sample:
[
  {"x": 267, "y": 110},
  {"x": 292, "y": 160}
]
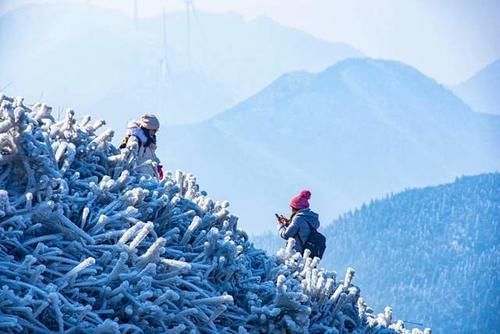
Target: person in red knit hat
[{"x": 302, "y": 222}]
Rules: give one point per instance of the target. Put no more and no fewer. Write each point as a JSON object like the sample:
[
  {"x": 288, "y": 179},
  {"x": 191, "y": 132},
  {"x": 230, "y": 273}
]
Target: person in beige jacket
[{"x": 141, "y": 138}]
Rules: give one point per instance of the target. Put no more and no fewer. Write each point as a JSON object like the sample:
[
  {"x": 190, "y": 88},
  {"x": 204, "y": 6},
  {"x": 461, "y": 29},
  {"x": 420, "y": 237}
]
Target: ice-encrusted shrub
[{"x": 88, "y": 245}]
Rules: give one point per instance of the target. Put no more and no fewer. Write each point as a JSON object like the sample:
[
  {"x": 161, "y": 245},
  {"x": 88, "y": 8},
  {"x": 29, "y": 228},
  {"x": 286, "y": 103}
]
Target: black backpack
[
  {"x": 141, "y": 144},
  {"x": 316, "y": 243},
  {"x": 124, "y": 141}
]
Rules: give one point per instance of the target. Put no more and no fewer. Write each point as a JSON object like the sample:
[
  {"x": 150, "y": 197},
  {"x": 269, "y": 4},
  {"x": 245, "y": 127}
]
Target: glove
[{"x": 160, "y": 172}]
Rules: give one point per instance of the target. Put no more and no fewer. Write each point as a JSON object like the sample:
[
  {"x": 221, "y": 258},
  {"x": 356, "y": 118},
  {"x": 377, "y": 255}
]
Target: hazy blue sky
[{"x": 447, "y": 39}]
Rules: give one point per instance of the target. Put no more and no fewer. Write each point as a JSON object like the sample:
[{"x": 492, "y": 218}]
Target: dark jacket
[{"x": 300, "y": 227}]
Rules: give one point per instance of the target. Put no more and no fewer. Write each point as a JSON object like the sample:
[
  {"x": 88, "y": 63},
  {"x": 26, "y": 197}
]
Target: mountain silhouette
[
  {"x": 104, "y": 60},
  {"x": 480, "y": 92},
  {"x": 353, "y": 132}
]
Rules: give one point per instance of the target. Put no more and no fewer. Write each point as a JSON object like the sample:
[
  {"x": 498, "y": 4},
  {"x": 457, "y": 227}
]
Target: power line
[
  {"x": 6, "y": 86},
  {"x": 136, "y": 14},
  {"x": 413, "y": 323}
]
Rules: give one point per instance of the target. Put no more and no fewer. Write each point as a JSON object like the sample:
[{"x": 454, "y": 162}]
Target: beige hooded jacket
[{"x": 135, "y": 142}]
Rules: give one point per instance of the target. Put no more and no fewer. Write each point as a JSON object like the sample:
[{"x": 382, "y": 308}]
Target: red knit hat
[{"x": 301, "y": 201}]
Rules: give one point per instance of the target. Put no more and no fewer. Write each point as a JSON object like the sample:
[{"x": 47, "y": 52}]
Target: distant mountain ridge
[
  {"x": 481, "y": 91},
  {"x": 357, "y": 130},
  {"x": 103, "y": 60},
  {"x": 435, "y": 246}
]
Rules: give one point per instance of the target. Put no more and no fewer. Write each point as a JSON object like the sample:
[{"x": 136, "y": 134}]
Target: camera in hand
[{"x": 281, "y": 219}]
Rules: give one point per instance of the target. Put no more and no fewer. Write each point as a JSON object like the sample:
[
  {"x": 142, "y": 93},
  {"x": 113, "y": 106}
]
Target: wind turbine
[
  {"x": 164, "y": 68},
  {"x": 189, "y": 10},
  {"x": 136, "y": 13}
]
